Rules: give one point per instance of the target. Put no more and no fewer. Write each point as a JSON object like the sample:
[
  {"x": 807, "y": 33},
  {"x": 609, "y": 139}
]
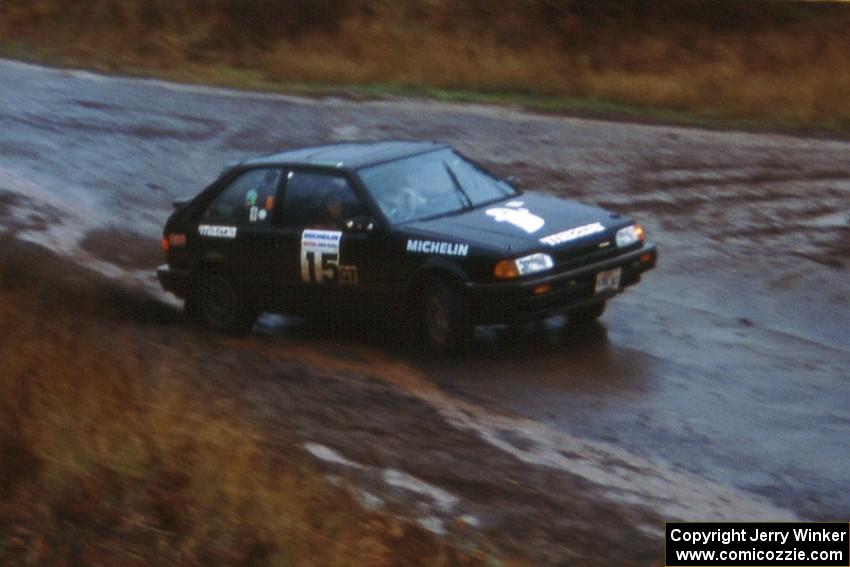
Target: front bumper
[
  {"x": 516, "y": 301},
  {"x": 175, "y": 281}
]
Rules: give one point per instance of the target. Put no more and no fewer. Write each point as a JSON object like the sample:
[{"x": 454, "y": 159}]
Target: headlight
[
  {"x": 629, "y": 235},
  {"x": 534, "y": 263},
  {"x": 507, "y": 269}
]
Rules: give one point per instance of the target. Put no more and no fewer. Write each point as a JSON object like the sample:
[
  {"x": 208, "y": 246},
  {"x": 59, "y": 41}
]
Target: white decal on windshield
[
  {"x": 572, "y": 234},
  {"x": 517, "y": 216},
  {"x": 217, "y": 231}
]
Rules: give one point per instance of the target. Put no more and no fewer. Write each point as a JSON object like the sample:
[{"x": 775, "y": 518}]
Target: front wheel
[
  {"x": 223, "y": 308},
  {"x": 445, "y": 322}
]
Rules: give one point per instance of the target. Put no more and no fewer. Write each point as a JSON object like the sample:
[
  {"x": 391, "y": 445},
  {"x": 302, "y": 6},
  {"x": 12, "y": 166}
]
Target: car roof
[{"x": 349, "y": 155}]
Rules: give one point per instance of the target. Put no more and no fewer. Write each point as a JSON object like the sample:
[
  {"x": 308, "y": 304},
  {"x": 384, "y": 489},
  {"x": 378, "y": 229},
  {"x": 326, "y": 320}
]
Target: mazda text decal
[
  {"x": 514, "y": 213},
  {"x": 217, "y": 231},
  {"x": 431, "y": 247},
  {"x": 572, "y": 234}
]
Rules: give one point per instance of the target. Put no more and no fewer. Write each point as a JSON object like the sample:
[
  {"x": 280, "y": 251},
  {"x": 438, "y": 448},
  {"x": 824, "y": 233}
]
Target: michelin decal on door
[{"x": 320, "y": 258}]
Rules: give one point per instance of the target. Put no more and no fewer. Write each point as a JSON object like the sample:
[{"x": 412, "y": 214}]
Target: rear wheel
[
  {"x": 222, "y": 307},
  {"x": 587, "y": 315},
  {"x": 445, "y": 322}
]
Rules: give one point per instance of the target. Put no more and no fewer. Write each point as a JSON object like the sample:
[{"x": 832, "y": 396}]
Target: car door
[
  {"x": 235, "y": 231},
  {"x": 328, "y": 262}
]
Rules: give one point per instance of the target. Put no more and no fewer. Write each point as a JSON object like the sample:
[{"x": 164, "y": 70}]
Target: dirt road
[{"x": 719, "y": 388}]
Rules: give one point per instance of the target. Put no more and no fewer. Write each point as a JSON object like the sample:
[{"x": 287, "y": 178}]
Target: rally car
[{"x": 413, "y": 230}]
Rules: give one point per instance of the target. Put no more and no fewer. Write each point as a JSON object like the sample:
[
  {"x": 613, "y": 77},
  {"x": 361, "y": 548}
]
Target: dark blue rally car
[{"x": 412, "y": 230}]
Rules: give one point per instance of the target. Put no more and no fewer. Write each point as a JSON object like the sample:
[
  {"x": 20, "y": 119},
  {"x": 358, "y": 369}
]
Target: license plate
[{"x": 609, "y": 279}]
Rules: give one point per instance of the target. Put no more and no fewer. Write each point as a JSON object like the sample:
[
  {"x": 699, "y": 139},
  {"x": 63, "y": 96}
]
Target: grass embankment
[
  {"x": 747, "y": 62},
  {"x": 111, "y": 453}
]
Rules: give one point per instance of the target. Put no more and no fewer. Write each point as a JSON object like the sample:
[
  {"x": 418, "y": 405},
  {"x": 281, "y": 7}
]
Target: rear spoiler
[{"x": 180, "y": 203}]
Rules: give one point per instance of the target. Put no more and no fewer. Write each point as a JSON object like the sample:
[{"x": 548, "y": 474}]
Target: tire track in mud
[
  {"x": 619, "y": 476},
  {"x": 373, "y": 419},
  {"x": 748, "y": 211}
]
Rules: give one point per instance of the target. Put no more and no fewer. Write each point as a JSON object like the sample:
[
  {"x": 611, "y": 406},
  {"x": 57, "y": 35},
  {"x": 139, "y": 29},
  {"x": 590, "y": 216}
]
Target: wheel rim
[
  {"x": 219, "y": 302},
  {"x": 437, "y": 320}
]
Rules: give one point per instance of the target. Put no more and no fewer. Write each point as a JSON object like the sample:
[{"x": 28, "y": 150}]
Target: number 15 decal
[
  {"x": 320, "y": 256},
  {"x": 323, "y": 271}
]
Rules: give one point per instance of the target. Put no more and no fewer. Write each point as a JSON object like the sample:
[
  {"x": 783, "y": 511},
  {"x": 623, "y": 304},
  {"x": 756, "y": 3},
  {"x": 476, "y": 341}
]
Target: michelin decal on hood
[{"x": 514, "y": 213}]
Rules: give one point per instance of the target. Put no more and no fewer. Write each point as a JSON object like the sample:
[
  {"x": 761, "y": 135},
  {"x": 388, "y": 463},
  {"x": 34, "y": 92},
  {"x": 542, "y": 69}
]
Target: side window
[
  {"x": 247, "y": 200},
  {"x": 319, "y": 200}
]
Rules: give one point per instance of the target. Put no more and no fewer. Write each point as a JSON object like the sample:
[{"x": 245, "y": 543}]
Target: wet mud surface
[
  {"x": 122, "y": 248},
  {"x": 716, "y": 389}
]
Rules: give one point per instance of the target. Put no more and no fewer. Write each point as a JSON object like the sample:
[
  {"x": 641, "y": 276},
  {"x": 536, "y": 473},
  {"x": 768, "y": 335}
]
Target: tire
[
  {"x": 222, "y": 307},
  {"x": 587, "y": 315},
  {"x": 445, "y": 322}
]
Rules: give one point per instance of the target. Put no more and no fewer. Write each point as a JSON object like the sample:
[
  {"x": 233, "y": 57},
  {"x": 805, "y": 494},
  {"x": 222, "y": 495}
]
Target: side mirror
[{"x": 359, "y": 225}]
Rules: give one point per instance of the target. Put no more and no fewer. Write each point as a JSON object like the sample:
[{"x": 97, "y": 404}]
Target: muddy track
[{"x": 717, "y": 389}]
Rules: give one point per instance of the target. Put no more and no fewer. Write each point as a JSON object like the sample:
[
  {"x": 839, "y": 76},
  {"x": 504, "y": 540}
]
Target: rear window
[{"x": 249, "y": 199}]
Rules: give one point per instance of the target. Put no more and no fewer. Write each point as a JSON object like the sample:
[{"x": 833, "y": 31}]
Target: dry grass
[
  {"x": 766, "y": 60},
  {"x": 111, "y": 453}
]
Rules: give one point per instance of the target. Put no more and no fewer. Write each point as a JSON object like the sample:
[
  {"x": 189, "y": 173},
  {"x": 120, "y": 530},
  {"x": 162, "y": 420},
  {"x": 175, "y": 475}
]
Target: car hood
[{"x": 523, "y": 223}]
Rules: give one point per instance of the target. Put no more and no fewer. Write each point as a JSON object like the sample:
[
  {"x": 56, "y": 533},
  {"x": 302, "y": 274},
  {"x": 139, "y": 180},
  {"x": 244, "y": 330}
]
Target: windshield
[{"x": 431, "y": 184}]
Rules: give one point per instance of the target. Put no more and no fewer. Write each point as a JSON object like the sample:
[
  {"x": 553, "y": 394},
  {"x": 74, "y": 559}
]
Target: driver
[{"x": 335, "y": 208}]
